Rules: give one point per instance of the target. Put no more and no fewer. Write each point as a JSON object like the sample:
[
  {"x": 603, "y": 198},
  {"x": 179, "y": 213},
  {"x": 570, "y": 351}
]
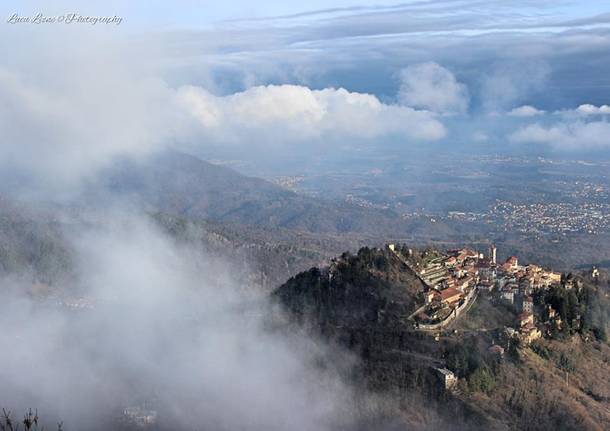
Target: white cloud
[
  {"x": 291, "y": 114},
  {"x": 571, "y": 136},
  {"x": 525, "y": 111},
  {"x": 64, "y": 121},
  {"x": 431, "y": 86},
  {"x": 588, "y": 109}
]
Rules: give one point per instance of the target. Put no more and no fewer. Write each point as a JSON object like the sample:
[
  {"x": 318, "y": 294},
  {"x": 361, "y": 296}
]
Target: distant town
[{"x": 579, "y": 202}]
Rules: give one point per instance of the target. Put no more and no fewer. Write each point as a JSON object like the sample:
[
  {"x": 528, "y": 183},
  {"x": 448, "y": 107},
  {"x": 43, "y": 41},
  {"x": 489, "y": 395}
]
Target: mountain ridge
[{"x": 180, "y": 184}]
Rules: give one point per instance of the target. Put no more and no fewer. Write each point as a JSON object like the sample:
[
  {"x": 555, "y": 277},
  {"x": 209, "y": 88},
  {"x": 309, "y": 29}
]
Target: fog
[
  {"x": 145, "y": 321},
  {"x": 163, "y": 325}
]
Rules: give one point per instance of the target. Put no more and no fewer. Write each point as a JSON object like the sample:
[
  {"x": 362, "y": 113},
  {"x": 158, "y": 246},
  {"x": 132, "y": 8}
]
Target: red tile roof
[{"x": 450, "y": 294}]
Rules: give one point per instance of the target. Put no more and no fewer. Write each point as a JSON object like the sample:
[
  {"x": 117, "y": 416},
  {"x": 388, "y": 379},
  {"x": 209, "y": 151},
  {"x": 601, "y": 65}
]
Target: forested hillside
[{"x": 559, "y": 382}]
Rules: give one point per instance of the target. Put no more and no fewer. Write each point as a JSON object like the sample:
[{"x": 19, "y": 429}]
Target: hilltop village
[
  {"x": 454, "y": 279},
  {"x": 535, "y": 302},
  {"x": 463, "y": 328}
]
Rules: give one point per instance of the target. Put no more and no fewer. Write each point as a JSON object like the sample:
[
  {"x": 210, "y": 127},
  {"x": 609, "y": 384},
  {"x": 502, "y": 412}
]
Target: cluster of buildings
[
  {"x": 547, "y": 217},
  {"x": 79, "y": 303},
  {"x": 140, "y": 416},
  {"x": 453, "y": 278},
  {"x": 516, "y": 282},
  {"x": 525, "y": 330},
  {"x": 288, "y": 182}
]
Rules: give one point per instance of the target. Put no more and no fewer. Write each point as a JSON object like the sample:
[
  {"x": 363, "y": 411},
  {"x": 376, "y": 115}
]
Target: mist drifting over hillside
[
  {"x": 148, "y": 321},
  {"x": 169, "y": 327}
]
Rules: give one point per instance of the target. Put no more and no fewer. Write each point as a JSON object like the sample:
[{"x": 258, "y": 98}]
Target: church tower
[{"x": 492, "y": 254}]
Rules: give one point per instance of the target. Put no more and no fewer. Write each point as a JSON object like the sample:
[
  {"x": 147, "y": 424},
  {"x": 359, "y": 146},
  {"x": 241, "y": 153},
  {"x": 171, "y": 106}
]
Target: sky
[
  {"x": 156, "y": 14},
  {"x": 237, "y": 79}
]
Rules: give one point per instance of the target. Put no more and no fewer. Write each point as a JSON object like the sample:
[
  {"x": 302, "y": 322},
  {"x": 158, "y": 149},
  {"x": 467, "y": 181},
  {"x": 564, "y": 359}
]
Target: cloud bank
[
  {"x": 289, "y": 114},
  {"x": 570, "y": 136}
]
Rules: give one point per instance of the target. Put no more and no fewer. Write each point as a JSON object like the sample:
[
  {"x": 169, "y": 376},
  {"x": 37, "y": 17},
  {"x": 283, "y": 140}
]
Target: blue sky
[{"x": 157, "y": 14}]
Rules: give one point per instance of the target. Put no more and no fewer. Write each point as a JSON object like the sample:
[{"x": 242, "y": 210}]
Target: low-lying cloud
[
  {"x": 430, "y": 86},
  {"x": 566, "y": 136},
  {"x": 164, "y": 326},
  {"x": 65, "y": 120}
]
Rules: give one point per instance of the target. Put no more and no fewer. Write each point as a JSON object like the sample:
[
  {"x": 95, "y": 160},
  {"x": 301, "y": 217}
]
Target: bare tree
[{"x": 29, "y": 422}]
